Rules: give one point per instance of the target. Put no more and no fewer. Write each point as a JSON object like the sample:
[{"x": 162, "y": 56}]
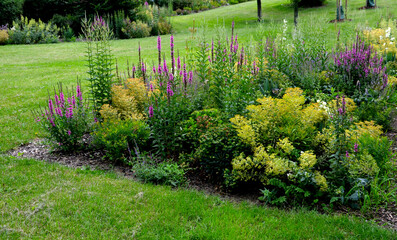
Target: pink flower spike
[{"x": 151, "y": 113}]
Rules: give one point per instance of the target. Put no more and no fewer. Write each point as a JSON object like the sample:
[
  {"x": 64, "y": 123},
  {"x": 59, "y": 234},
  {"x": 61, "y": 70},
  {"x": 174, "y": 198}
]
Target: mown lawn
[{"x": 49, "y": 201}]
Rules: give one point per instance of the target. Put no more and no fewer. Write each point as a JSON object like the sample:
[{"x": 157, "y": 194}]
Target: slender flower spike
[
  {"x": 347, "y": 154},
  {"x": 355, "y": 147},
  {"x": 172, "y": 54},
  {"x": 51, "y": 107},
  {"x": 159, "y": 48},
  {"x": 151, "y": 113},
  {"x": 169, "y": 90},
  {"x": 190, "y": 77},
  {"x": 69, "y": 132}
]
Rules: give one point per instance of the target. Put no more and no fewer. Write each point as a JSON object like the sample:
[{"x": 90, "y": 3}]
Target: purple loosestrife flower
[
  {"x": 179, "y": 63},
  {"x": 170, "y": 93},
  {"x": 61, "y": 99},
  {"x": 154, "y": 70},
  {"x": 151, "y": 113},
  {"x": 355, "y": 147},
  {"x": 347, "y": 154},
  {"x": 172, "y": 53},
  {"x": 190, "y": 77},
  {"x": 151, "y": 88},
  {"x": 159, "y": 70},
  {"x": 51, "y": 107},
  {"x": 57, "y": 102},
  {"x": 159, "y": 48},
  {"x": 69, "y": 132}
]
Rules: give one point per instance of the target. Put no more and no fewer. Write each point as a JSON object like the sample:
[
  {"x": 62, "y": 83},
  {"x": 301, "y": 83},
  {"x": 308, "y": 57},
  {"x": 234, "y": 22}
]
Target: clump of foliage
[
  {"x": 3, "y": 36},
  {"x": 359, "y": 69},
  {"x": 25, "y": 31},
  {"x": 121, "y": 138},
  {"x": 128, "y": 101},
  {"x": 166, "y": 173},
  {"x": 136, "y": 29},
  {"x": 10, "y": 10},
  {"x": 66, "y": 120}
]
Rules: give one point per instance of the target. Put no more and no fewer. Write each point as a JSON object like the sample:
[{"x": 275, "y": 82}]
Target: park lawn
[{"x": 47, "y": 201}]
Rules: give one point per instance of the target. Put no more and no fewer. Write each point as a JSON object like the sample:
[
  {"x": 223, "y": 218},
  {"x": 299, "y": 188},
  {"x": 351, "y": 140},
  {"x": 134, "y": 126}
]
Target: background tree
[{"x": 259, "y": 4}]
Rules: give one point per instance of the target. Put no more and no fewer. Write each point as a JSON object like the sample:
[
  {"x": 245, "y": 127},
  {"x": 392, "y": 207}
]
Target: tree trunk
[
  {"x": 259, "y": 4},
  {"x": 296, "y": 14}
]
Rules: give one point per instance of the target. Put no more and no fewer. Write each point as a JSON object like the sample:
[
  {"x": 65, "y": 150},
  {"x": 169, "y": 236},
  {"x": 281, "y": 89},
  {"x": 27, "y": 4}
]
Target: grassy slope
[
  {"x": 28, "y": 71},
  {"x": 48, "y": 201}
]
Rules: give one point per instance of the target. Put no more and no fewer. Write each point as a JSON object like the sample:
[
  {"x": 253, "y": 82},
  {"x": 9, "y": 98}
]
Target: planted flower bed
[{"x": 299, "y": 124}]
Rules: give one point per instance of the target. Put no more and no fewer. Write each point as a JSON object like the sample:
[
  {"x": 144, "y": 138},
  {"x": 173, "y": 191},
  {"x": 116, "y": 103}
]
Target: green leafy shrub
[
  {"x": 213, "y": 142},
  {"x": 25, "y": 31},
  {"x": 163, "y": 173},
  {"x": 161, "y": 27},
  {"x": 121, "y": 138},
  {"x": 136, "y": 29},
  {"x": 10, "y": 10}
]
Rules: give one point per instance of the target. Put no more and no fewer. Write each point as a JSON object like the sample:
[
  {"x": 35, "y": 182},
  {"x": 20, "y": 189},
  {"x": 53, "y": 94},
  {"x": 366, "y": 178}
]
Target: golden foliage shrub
[{"x": 128, "y": 101}]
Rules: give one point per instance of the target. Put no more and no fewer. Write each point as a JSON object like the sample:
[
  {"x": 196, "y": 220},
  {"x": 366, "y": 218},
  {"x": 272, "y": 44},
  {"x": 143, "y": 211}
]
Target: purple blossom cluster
[
  {"x": 361, "y": 67},
  {"x": 64, "y": 117}
]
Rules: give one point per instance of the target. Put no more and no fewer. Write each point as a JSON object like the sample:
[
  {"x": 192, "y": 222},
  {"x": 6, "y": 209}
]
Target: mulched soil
[{"x": 386, "y": 217}]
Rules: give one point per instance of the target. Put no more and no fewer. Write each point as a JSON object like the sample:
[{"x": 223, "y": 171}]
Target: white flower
[
  {"x": 285, "y": 21},
  {"x": 392, "y": 39},
  {"x": 13, "y": 28},
  {"x": 388, "y": 32}
]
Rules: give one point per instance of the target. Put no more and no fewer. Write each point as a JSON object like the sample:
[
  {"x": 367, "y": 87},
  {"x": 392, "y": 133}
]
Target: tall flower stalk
[{"x": 100, "y": 60}]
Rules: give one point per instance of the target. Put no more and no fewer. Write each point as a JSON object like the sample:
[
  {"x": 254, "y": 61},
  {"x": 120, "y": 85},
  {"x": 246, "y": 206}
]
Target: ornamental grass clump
[{"x": 66, "y": 119}]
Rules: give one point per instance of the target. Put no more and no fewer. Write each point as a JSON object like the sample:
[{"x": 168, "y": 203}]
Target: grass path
[{"x": 48, "y": 201}]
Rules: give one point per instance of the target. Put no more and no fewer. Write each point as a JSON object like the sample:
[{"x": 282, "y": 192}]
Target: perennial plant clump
[
  {"x": 66, "y": 119},
  {"x": 359, "y": 69}
]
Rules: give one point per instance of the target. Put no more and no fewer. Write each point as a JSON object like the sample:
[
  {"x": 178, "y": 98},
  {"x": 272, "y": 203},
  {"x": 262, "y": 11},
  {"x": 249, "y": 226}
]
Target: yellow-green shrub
[
  {"x": 3, "y": 36},
  {"x": 128, "y": 101},
  {"x": 280, "y": 133},
  {"x": 275, "y": 119}
]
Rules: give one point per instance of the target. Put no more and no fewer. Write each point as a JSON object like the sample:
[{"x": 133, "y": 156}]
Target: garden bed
[{"x": 94, "y": 160}]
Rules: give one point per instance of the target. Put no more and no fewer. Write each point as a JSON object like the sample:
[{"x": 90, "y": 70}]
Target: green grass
[{"x": 49, "y": 201}]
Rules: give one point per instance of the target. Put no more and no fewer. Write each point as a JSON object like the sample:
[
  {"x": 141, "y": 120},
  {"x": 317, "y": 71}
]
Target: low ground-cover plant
[{"x": 167, "y": 173}]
